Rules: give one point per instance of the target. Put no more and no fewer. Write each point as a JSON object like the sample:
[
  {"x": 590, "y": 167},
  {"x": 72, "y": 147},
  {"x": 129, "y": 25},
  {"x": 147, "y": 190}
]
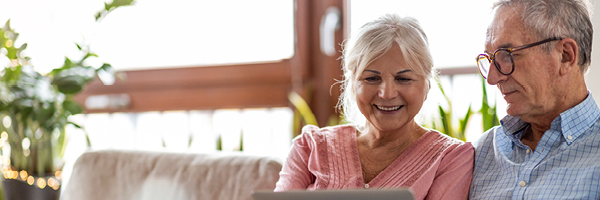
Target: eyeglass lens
[{"x": 502, "y": 60}]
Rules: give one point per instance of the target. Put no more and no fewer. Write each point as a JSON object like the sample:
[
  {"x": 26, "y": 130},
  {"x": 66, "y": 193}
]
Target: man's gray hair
[{"x": 558, "y": 18}]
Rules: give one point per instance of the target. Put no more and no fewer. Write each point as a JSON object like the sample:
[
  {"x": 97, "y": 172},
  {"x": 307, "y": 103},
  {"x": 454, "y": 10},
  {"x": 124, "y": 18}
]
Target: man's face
[{"x": 529, "y": 91}]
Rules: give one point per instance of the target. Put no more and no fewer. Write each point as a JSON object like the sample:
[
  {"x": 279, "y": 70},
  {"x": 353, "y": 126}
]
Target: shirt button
[
  {"x": 569, "y": 137},
  {"x": 522, "y": 184},
  {"x": 366, "y": 186},
  {"x": 528, "y": 151}
]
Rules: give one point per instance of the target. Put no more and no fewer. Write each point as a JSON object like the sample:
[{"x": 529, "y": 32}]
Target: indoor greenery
[
  {"x": 34, "y": 107},
  {"x": 445, "y": 116},
  {"x": 488, "y": 116},
  {"x": 302, "y": 113}
]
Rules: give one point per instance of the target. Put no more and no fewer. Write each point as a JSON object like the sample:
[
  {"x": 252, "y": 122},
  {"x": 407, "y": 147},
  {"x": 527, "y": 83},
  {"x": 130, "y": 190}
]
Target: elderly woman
[{"x": 387, "y": 73}]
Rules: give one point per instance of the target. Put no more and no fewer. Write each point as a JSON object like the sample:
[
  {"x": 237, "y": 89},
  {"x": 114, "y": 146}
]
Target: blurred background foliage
[
  {"x": 34, "y": 108},
  {"x": 446, "y": 122}
]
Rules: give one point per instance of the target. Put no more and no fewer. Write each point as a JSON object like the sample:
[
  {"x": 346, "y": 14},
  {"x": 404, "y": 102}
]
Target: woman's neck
[{"x": 395, "y": 140}]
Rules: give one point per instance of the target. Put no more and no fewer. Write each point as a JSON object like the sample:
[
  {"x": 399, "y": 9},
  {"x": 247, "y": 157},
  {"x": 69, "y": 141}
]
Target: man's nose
[{"x": 494, "y": 76}]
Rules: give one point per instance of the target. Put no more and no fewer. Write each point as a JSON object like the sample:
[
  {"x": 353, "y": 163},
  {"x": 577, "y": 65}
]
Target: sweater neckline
[{"x": 380, "y": 178}]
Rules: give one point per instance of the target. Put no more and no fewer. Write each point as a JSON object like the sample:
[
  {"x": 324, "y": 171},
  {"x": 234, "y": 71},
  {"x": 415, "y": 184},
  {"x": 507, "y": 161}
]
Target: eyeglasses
[{"x": 503, "y": 58}]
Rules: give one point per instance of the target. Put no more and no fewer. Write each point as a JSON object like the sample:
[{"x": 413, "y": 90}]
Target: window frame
[{"x": 308, "y": 72}]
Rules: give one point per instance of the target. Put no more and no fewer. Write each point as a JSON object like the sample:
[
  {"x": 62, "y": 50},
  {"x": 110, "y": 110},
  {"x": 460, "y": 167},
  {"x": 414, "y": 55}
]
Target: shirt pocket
[{"x": 571, "y": 183}]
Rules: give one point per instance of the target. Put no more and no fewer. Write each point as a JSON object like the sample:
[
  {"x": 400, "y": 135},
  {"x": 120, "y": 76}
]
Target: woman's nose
[{"x": 388, "y": 91}]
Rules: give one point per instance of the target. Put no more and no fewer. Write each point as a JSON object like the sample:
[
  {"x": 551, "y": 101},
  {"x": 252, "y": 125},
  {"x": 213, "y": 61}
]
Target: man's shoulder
[{"x": 487, "y": 139}]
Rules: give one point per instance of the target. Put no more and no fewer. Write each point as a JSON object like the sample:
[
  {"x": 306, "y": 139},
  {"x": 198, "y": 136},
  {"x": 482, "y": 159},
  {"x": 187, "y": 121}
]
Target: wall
[{"x": 593, "y": 76}]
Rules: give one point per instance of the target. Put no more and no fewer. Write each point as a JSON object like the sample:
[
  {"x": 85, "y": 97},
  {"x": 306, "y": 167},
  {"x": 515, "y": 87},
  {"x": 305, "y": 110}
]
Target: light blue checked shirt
[{"x": 564, "y": 165}]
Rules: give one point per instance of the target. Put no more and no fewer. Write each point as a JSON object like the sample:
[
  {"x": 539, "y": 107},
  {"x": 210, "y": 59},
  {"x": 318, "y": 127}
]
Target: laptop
[{"x": 352, "y": 194}]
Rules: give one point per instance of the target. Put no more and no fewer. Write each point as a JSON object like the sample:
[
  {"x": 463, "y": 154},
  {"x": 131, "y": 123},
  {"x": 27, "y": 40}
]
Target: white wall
[{"x": 593, "y": 76}]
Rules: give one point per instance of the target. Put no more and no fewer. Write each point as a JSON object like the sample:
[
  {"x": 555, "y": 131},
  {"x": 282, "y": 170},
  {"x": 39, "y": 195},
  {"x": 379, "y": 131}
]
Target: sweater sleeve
[
  {"x": 453, "y": 178},
  {"x": 295, "y": 174}
]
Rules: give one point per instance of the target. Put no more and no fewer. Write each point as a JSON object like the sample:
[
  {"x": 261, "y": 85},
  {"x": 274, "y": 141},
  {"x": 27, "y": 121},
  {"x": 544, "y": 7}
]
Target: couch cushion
[{"x": 133, "y": 175}]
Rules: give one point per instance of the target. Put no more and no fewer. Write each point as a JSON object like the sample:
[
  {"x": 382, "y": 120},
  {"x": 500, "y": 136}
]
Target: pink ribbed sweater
[{"x": 435, "y": 166}]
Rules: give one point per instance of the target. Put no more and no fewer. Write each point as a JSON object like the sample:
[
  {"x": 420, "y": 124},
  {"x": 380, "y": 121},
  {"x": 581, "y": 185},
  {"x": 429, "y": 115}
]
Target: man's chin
[{"x": 513, "y": 109}]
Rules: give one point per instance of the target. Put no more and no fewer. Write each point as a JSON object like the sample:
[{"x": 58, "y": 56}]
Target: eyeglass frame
[{"x": 510, "y": 50}]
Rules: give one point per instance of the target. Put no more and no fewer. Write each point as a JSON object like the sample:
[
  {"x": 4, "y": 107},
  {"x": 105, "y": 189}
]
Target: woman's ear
[
  {"x": 569, "y": 52},
  {"x": 429, "y": 84},
  {"x": 428, "y": 89}
]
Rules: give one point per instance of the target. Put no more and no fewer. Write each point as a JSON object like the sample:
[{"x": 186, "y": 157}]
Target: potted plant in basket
[{"x": 34, "y": 111}]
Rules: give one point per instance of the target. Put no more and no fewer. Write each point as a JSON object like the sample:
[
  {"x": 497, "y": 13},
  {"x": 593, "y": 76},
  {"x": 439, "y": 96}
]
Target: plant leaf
[
  {"x": 110, "y": 7},
  {"x": 72, "y": 107},
  {"x": 303, "y": 108},
  {"x": 488, "y": 114},
  {"x": 463, "y": 125},
  {"x": 445, "y": 122},
  {"x": 70, "y": 84}
]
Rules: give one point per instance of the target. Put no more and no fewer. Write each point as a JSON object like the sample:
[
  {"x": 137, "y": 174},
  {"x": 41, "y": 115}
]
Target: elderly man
[{"x": 548, "y": 147}]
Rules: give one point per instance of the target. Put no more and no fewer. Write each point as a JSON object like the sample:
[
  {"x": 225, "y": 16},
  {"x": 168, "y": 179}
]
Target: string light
[
  {"x": 42, "y": 182},
  {"x": 23, "y": 175},
  {"x": 55, "y": 187},
  {"x": 30, "y": 180},
  {"x": 58, "y": 174},
  {"x": 52, "y": 182}
]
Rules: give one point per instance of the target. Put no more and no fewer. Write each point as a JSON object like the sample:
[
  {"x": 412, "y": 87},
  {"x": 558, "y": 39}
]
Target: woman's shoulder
[
  {"x": 328, "y": 129},
  {"x": 314, "y": 133},
  {"x": 446, "y": 142}
]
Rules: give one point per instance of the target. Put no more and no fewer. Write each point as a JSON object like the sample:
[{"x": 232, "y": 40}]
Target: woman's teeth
[{"x": 388, "y": 108}]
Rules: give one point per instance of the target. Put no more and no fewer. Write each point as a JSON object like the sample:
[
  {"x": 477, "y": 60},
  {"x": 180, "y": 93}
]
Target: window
[
  {"x": 153, "y": 34},
  {"x": 455, "y": 29}
]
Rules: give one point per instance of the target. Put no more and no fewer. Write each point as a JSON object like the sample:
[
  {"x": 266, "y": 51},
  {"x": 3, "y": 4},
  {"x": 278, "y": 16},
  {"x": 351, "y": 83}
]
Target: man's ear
[{"x": 569, "y": 54}]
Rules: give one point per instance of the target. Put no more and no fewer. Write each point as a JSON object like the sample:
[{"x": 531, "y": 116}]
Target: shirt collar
[
  {"x": 571, "y": 123},
  {"x": 513, "y": 127},
  {"x": 575, "y": 121}
]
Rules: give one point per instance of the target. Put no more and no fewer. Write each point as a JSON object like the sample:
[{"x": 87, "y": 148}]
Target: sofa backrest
[{"x": 137, "y": 175}]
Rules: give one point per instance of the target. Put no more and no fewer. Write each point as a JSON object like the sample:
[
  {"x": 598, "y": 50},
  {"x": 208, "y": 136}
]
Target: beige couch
[{"x": 137, "y": 175}]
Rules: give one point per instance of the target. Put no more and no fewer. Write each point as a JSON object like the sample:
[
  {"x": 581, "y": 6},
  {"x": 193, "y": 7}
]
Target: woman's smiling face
[{"x": 389, "y": 94}]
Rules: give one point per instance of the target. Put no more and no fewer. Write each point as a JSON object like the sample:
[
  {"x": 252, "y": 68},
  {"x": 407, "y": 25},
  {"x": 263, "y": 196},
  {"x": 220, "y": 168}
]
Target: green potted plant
[
  {"x": 34, "y": 111},
  {"x": 444, "y": 121}
]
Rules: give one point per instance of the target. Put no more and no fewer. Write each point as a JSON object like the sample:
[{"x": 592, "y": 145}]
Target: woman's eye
[
  {"x": 372, "y": 79},
  {"x": 402, "y": 79}
]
